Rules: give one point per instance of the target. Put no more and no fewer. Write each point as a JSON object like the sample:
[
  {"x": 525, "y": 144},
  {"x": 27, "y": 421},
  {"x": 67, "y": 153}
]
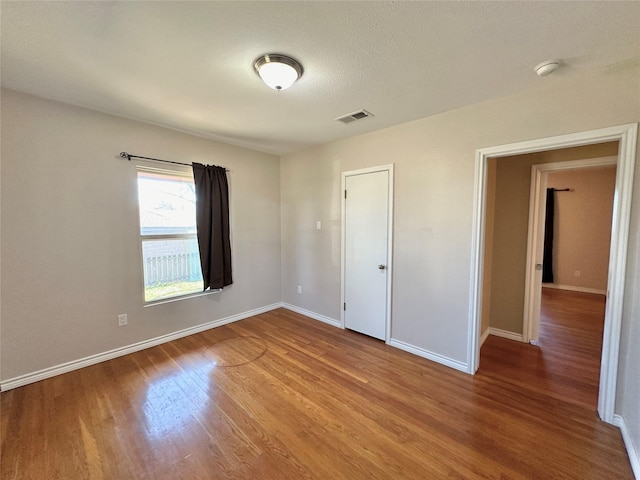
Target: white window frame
[{"x": 168, "y": 236}]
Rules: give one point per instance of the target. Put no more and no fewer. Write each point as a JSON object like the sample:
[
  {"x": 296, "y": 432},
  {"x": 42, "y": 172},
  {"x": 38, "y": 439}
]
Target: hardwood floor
[
  {"x": 280, "y": 396},
  {"x": 566, "y": 366},
  {"x": 560, "y": 377}
]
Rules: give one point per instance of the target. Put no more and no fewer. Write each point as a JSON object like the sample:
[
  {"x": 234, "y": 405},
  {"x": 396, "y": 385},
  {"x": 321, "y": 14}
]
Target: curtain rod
[
  {"x": 128, "y": 156},
  {"x": 561, "y": 189}
]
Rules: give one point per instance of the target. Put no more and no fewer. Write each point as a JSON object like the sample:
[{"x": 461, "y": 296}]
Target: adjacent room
[{"x": 320, "y": 240}]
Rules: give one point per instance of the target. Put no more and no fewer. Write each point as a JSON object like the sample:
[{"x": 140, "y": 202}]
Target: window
[{"x": 170, "y": 256}]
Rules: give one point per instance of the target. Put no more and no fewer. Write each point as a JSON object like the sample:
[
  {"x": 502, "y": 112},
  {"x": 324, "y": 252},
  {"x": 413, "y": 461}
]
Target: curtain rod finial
[{"x": 125, "y": 155}]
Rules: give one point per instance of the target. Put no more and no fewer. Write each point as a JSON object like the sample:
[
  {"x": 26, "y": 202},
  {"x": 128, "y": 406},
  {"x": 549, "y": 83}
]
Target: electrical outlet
[
  {"x": 300, "y": 289},
  {"x": 122, "y": 320},
  {"x": 318, "y": 225}
]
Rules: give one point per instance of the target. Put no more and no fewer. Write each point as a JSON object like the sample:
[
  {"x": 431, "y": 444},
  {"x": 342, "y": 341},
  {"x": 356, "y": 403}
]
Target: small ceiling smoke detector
[
  {"x": 352, "y": 117},
  {"x": 547, "y": 67}
]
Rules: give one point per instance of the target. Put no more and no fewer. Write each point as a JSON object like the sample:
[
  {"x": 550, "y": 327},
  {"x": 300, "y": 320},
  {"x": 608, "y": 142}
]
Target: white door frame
[
  {"x": 381, "y": 168},
  {"x": 626, "y": 135},
  {"x": 535, "y": 240}
]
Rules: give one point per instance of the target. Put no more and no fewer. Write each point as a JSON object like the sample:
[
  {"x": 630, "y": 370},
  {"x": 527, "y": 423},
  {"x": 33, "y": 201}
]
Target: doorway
[
  {"x": 584, "y": 237},
  {"x": 367, "y": 214},
  {"x": 626, "y": 135}
]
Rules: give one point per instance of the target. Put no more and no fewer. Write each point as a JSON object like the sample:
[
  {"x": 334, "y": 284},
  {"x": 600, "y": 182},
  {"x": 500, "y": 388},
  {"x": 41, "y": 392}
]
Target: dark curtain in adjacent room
[
  {"x": 212, "y": 222},
  {"x": 547, "y": 257}
]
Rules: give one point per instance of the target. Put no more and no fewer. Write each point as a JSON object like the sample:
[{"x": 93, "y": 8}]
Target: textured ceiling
[{"x": 188, "y": 65}]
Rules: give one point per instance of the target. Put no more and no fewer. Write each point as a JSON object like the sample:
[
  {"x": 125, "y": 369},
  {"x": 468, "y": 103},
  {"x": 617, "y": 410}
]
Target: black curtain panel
[
  {"x": 547, "y": 256},
  {"x": 212, "y": 222}
]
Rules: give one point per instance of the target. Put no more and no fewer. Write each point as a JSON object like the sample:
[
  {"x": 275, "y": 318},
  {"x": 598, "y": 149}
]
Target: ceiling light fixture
[
  {"x": 547, "y": 67},
  {"x": 277, "y": 71}
]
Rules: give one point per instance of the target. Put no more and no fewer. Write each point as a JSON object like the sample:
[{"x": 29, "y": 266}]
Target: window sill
[{"x": 181, "y": 297}]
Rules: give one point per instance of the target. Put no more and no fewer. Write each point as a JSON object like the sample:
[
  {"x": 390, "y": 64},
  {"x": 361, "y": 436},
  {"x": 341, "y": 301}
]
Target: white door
[{"x": 367, "y": 207}]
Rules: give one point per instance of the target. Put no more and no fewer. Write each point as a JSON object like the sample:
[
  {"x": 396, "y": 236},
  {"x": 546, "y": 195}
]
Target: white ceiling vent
[{"x": 352, "y": 117}]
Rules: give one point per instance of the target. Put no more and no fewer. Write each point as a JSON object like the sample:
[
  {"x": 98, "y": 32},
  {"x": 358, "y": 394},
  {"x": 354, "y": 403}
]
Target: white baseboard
[
  {"x": 506, "y": 334},
  {"x": 119, "y": 352},
  {"x": 574, "y": 289},
  {"x": 434, "y": 357},
  {"x": 315, "y": 316},
  {"x": 632, "y": 450},
  {"x": 392, "y": 342},
  {"x": 484, "y": 336}
]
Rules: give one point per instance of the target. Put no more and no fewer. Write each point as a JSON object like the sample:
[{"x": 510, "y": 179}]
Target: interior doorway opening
[
  {"x": 581, "y": 181},
  {"x": 570, "y": 226},
  {"x": 626, "y": 136}
]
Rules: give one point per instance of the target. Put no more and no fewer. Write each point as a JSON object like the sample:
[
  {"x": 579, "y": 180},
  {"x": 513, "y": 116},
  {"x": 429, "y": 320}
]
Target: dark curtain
[
  {"x": 547, "y": 256},
  {"x": 212, "y": 222}
]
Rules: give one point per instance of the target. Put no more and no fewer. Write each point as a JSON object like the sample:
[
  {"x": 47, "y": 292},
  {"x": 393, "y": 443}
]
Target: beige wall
[
  {"x": 434, "y": 184},
  {"x": 434, "y": 181},
  {"x": 513, "y": 190},
  {"x": 71, "y": 257},
  {"x": 582, "y": 227}
]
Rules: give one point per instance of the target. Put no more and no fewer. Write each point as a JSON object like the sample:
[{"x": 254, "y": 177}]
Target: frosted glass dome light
[
  {"x": 277, "y": 71},
  {"x": 547, "y": 67}
]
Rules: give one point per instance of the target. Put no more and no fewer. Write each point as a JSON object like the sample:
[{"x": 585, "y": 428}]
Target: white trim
[
  {"x": 632, "y": 450},
  {"x": 571, "y": 288},
  {"x": 626, "y": 135},
  {"x": 174, "y": 170},
  {"x": 497, "y": 332},
  {"x": 119, "y": 352},
  {"x": 389, "y": 168},
  {"x": 535, "y": 242},
  {"x": 180, "y": 297},
  {"x": 535, "y": 236},
  {"x": 477, "y": 263},
  {"x": 434, "y": 357},
  {"x": 315, "y": 316},
  {"x": 484, "y": 336}
]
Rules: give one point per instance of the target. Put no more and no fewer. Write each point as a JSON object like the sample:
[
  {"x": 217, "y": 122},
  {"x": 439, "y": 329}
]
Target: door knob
[{"x": 382, "y": 267}]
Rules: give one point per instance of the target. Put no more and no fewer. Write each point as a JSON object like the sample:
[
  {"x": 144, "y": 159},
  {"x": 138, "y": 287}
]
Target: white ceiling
[{"x": 189, "y": 65}]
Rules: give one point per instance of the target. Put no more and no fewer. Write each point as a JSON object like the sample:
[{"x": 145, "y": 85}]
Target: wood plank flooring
[
  {"x": 281, "y": 396},
  {"x": 566, "y": 366}
]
